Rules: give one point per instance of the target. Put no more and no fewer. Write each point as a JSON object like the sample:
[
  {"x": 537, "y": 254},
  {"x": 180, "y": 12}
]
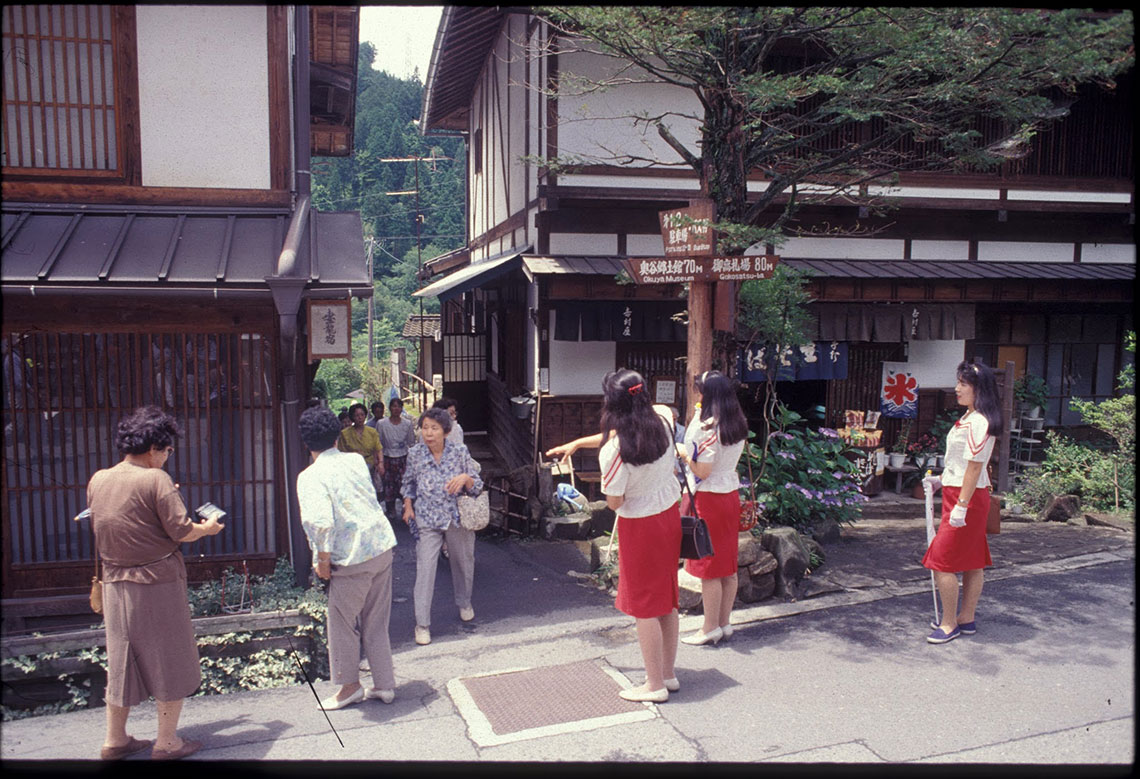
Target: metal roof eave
[{"x": 473, "y": 275}]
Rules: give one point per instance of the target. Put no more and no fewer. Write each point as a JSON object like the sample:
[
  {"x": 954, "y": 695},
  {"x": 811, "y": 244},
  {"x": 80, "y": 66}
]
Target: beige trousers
[
  {"x": 461, "y": 555},
  {"x": 360, "y": 604}
]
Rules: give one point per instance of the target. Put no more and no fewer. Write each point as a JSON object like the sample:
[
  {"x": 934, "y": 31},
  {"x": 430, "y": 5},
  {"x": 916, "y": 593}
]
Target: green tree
[
  {"x": 385, "y": 129},
  {"x": 1117, "y": 418},
  {"x": 844, "y": 97},
  {"x": 774, "y": 316}
]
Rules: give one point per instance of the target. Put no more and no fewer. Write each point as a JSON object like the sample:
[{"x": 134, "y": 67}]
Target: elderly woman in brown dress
[{"x": 140, "y": 521}]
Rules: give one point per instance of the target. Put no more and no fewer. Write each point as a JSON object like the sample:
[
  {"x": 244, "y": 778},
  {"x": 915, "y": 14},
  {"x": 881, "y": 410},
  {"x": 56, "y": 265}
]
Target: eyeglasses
[{"x": 169, "y": 450}]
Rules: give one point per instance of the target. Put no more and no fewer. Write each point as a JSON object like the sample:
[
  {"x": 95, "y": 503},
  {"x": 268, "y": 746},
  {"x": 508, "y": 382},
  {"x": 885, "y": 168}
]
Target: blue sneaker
[
  {"x": 967, "y": 628},
  {"x": 939, "y": 637}
]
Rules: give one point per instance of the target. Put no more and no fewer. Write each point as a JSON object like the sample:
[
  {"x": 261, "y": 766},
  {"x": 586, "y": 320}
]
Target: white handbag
[{"x": 474, "y": 513}]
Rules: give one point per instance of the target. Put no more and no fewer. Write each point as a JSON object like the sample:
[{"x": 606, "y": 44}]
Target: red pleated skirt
[
  {"x": 648, "y": 551},
  {"x": 957, "y": 549},
  {"x": 721, "y": 512}
]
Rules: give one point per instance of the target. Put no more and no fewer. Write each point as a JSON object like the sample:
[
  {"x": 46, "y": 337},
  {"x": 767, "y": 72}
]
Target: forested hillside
[{"x": 386, "y": 110}]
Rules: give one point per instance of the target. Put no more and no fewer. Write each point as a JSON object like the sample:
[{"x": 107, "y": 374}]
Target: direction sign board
[
  {"x": 687, "y": 232},
  {"x": 677, "y": 270}
]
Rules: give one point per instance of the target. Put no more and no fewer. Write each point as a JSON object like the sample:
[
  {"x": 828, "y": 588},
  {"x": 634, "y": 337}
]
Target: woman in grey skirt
[{"x": 139, "y": 521}]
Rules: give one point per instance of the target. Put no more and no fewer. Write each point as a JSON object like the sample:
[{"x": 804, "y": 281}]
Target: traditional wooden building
[
  {"x": 1033, "y": 263},
  {"x": 160, "y": 247}
]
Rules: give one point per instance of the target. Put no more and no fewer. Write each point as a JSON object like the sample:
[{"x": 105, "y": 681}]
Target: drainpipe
[{"x": 287, "y": 289}]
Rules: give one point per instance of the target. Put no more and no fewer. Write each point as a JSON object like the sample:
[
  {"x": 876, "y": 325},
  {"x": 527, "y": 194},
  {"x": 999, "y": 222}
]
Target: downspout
[{"x": 288, "y": 288}]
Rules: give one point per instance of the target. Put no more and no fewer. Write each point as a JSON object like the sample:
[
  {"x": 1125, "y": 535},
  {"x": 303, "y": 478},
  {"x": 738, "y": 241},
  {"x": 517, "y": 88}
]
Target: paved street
[{"x": 840, "y": 676}]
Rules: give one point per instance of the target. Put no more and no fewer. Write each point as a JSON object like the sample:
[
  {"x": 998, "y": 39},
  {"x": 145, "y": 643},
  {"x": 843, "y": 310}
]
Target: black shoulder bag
[{"x": 696, "y": 543}]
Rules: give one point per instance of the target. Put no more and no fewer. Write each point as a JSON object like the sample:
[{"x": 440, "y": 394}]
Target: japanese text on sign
[
  {"x": 669, "y": 270},
  {"x": 688, "y": 231}
]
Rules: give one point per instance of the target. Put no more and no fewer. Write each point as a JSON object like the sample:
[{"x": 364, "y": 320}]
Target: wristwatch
[{"x": 963, "y": 502}]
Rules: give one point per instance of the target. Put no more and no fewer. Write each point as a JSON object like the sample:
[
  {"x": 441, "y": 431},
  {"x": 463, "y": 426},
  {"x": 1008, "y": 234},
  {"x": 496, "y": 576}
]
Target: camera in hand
[{"x": 209, "y": 511}]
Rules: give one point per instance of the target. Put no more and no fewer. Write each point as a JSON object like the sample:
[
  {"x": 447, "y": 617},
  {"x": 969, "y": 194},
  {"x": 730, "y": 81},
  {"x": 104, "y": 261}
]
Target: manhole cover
[{"x": 519, "y": 704}]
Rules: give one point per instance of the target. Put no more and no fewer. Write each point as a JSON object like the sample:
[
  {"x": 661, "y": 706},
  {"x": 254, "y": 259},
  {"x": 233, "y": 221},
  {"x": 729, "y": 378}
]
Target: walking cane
[{"x": 928, "y": 494}]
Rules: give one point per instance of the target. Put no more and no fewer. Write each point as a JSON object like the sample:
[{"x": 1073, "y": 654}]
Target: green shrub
[{"x": 809, "y": 475}]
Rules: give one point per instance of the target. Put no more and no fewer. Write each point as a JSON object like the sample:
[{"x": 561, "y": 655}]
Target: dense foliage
[
  {"x": 811, "y": 475},
  {"x": 842, "y": 97},
  {"x": 1103, "y": 476},
  {"x": 387, "y": 110},
  {"x": 229, "y": 662}
]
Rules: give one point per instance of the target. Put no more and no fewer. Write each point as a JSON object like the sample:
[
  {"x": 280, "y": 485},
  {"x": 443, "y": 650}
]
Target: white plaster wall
[
  {"x": 577, "y": 367},
  {"x": 597, "y": 125},
  {"x": 203, "y": 96},
  {"x": 842, "y": 249},
  {"x": 940, "y": 250},
  {"x": 532, "y": 337},
  {"x": 599, "y": 244},
  {"x": 1023, "y": 251},
  {"x": 645, "y": 245},
  {"x": 1108, "y": 252},
  {"x": 933, "y": 363}
]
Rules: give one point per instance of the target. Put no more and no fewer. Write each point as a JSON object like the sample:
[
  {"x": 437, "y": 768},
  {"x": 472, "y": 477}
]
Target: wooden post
[
  {"x": 1007, "y": 414},
  {"x": 699, "y": 350}
]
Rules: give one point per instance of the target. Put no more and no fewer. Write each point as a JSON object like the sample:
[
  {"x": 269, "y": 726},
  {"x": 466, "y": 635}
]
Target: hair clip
[{"x": 636, "y": 388}]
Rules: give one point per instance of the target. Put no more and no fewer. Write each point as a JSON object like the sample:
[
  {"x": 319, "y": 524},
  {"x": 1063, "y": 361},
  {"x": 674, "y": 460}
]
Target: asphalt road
[{"x": 844, "y": 677}]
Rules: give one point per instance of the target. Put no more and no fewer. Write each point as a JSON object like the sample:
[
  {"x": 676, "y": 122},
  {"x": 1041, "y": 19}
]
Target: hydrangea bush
[{"x": 809, "y": 475}]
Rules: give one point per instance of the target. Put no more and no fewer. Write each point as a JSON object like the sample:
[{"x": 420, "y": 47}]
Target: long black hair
[
  {"x": 987, "y": 400},
  {"x": 642, "y": 436},
  {"x": 720, "y": 404}
]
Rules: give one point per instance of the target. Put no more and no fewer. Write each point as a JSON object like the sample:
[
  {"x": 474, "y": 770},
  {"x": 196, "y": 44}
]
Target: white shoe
[
  {"x": 700, "y": 637},
  {"x": 728, "y": 630},
  {"x": 467, "y": 614},
  {"x": 672, "y": 685},
  {"x": 638, "y": 695},
  {"x": 332, "y": 704},
  {"x": 423, "y": 635},
  {"x": 384, "y": 696}
]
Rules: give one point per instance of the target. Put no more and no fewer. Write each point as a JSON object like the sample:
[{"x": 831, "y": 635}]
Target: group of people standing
[
  {"x": 140, "y": 520},
  {"x": 638, "y": 459}
]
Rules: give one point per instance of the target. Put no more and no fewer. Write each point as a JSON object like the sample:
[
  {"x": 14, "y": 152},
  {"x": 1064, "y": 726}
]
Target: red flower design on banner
[{"x": 900, "y": 388}]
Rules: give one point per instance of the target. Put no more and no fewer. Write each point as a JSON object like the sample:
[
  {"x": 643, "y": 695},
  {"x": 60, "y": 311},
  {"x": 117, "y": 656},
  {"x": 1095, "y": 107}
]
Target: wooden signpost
[{"x": 690, "y": 256}]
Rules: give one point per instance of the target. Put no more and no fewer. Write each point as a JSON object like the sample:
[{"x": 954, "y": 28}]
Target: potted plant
[
  {"x": 942, "y": 426},
  {"x": 1032, "y": 394},
  {"x": 897, "y": 454},
  {"x": 923, "y": 449}
]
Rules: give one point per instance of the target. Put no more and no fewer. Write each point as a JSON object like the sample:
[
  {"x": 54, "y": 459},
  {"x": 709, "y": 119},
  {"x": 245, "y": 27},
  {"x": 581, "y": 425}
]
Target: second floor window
[{"x": 63, "y": 96}]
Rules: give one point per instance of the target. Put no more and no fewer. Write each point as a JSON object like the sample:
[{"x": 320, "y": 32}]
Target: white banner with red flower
[{"x": 899, "y": 396}]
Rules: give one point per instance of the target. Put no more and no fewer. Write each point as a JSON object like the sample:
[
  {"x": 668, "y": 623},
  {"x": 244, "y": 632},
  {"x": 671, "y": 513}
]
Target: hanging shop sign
[
  {"x": 898, "y": 398},
  {"x": 330, "y": 324},
  {"x": 818, "y": 360},
  {"x": 678, "y": 270},
  {"x": 687, "y": 232}
]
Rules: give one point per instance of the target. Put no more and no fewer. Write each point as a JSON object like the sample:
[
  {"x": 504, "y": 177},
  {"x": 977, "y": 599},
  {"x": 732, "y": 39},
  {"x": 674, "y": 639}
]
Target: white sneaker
[
  {"x": 423, "y": 635},
  {"x": 384, "y": 696},
  {"x": 467, "y": 614}
]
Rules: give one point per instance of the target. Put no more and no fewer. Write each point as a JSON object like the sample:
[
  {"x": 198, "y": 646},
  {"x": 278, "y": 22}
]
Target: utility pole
[
  {"x": 419, "y": 257},
  {"x": 371, "y": 298}
]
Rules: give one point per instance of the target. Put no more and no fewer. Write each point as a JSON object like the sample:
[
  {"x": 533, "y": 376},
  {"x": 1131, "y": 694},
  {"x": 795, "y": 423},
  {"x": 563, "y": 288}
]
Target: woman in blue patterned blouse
[{"x": 437, "y": 471}]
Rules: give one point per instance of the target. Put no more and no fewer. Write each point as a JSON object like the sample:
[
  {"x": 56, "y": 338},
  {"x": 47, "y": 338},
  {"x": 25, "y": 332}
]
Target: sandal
[{"x": 130, "y": 748}]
